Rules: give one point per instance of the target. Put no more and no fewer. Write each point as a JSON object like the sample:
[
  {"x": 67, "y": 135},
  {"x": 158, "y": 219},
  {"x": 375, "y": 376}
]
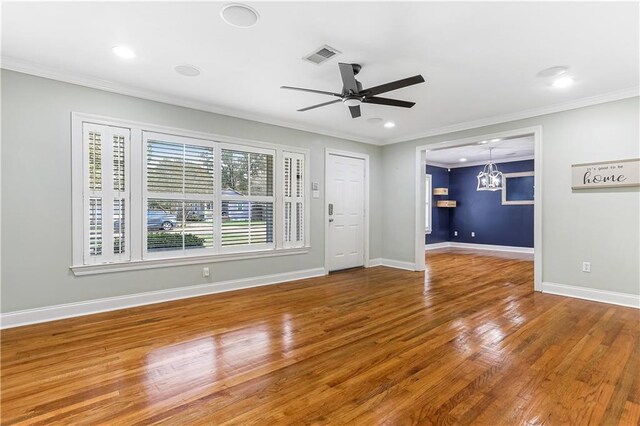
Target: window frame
[{"x": 136, "y": 161}]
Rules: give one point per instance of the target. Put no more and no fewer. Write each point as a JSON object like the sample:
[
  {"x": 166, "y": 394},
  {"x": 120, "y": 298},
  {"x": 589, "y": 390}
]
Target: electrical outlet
[
  {"x": 586, "y": 266},
  {"x": 473, "y": 234},
  {"x": 455, "y": 233},
  {"x": 205, "y": 272}
]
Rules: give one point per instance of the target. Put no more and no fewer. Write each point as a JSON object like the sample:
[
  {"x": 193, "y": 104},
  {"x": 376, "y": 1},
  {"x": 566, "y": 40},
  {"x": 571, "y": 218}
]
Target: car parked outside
[{"x": 160, "y": 220}]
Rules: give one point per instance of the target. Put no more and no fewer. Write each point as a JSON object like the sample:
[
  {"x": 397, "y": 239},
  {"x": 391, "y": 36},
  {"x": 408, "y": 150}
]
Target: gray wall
[
  {"x": 600, "y": 226},
  {"x": 36, "y": 193}
]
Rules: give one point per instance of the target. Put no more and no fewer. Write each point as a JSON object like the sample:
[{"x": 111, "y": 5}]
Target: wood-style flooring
[{"x": 467, "y": 342}]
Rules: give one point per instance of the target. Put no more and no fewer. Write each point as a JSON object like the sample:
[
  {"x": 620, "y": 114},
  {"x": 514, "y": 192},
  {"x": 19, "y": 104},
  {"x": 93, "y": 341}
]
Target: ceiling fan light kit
[{"x": 352, "y": 94}]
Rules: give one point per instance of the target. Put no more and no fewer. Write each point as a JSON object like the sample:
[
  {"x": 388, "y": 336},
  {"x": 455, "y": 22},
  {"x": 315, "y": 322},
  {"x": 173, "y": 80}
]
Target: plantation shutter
[
  {"x": 180, "y": 194},
  {"x": 247, "y": 198},
  {"x": 293, "y": 199},
  {"x": 105, "y": 193}
]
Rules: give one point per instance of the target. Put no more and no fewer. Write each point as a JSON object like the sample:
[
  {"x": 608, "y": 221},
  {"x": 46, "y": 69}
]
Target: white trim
[
  {"x": 182, "y": 261},
  {"x": 596, "y": 295},
  {"x": 512, "y": 249},
  {"x": 25, "y": 67},
  {"x": 472, "y": 246},
  {"x": 420, "y": 170},
  {"x": 398, "y": 264},
  {"x": 497, "y": 161},
  {"x": 365, "y": 157},
  {"x": 437, "y": 246},
  {"x": 13, "y": 64},
  {"x": 374, "y": 262},
  {"x": 428, "y": 181},
  {"x": 521, "y": 115},
  {"x": 69, "y": 310}
]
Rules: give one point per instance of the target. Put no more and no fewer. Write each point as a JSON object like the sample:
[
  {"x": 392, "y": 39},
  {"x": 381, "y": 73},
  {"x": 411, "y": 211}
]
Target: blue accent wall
[
  {"x": 439, "y": 216},
  {"x": 482, "y": 212}
]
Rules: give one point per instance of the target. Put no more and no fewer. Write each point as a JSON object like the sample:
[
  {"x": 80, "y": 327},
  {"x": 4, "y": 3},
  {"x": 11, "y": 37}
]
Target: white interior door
[{"x": 345, "y": 211}]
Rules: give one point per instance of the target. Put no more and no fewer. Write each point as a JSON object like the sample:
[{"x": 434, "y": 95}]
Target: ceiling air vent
[{"x": 322, "y": 54}]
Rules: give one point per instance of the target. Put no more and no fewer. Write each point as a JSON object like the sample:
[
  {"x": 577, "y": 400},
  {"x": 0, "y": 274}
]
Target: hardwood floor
[{"x": 468, "y": 342}]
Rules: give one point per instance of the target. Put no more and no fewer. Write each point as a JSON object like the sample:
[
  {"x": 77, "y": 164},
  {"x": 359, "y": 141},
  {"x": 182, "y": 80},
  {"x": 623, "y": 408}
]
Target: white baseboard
[
  {"x": 398, "y": 264},
  {"x": 472, "y": 246},
  {"x": 69, "y": 310},
  {"x": 437, "y": 246},
  {"x": 604, "y": 296},
  {"x": 374, "y": 262}
]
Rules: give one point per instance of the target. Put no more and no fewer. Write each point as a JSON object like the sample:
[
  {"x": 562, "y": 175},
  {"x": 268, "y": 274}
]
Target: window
[
  {"x": 179, "y": 194},
  {"x": 106, "y": 190},
  {"x": 518, "y": 188},
  {"x": 149, "y": 195},
  {"x": 293, "y": 199},
  {"x": 247, "y": 198}
]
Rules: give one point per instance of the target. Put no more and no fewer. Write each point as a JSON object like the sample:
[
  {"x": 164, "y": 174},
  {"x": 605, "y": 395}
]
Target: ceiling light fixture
[
  {"x": 124, "y": 52},
  {"x": 389, "y": 124},
  {"x": 553, "y": 71},
  {"x": 187, "y": 70},
  {"x": 239, "y": 15},
  {"x": 351, "y": 102},
  {"x": 562, "y": 82},
  {"x": 490, "y": 178},
  {"x": 495, "y": 140},
  {"x": 482, "y": 142},
  {"x": 462, "y": 160}
]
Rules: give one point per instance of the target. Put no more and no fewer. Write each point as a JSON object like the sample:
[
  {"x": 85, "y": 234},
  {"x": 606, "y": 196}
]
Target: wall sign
[{"x": 606, "y": 174}]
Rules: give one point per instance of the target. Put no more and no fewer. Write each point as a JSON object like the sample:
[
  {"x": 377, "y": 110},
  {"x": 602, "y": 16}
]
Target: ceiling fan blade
[
  {"x": 320, "y": 105},
  {"x": 348, "y": 78},
  {"x": 355, "y": 111},
  {"x": 312, "y": 91},
  {"x": 394, "y": 85},
  {"x": 387, "y": 101}
]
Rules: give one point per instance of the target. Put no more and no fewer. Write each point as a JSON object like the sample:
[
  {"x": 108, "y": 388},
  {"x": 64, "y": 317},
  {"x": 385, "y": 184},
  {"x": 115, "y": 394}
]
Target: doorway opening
[{"x": 481, "y": 195}]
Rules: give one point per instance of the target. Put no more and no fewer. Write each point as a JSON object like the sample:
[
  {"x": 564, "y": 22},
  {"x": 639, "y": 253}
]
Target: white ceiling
[
  {"x": 479, "y": 59},
  {"x": 505, "y": 150}
]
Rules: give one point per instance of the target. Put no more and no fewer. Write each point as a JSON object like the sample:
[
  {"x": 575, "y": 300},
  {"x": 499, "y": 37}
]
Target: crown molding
[
  {"x": 534, "y": 112},
  {"x": 477, "y": 163},
  {"x": 24, "y": 67}
]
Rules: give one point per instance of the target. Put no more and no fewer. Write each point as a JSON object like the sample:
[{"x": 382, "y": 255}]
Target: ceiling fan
[{"x": 353, "y": 95}]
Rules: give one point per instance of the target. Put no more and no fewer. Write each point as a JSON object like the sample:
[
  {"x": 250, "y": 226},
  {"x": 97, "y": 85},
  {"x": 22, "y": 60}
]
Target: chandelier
[{"x": 490, "y": 178}]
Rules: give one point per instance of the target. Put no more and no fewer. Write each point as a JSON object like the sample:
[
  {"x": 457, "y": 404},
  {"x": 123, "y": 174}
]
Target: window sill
[{"x": 106, "y": 268}]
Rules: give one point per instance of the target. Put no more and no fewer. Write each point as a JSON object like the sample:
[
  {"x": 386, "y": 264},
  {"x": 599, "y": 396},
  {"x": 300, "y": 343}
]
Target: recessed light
[
  {"x": 562, "y": 82},
  {"x": 482, "y": 142},
  {"x": 553, "y": 71},
  {"x": 495, "y": 140},
  {"x": 187, "y": 70},
  {"x": 389, "y": 124},
  {"x": 462, "y": 160},
  {"x": 124, "y": 52},
  {"x": 374, "y": 120},
  {"x": 239, "y": 15}
]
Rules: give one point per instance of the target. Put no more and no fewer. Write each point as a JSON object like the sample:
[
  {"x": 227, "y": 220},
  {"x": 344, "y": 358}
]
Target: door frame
[
  {"x": 359, "y": 156},
  {"x": 420, "y": 172}
]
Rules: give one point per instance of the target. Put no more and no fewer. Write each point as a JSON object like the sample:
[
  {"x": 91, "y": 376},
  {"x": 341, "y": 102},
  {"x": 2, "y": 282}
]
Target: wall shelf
[
  {"x": 446, "y": 203},
  {"x": 440, "y": 191}
]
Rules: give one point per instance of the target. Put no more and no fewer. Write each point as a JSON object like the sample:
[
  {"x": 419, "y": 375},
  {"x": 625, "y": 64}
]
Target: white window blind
[
  {"x": 105, "y": 193},
  {"x": 247, "y": 208},
  {"x": 294, "y": 189},
  {"x": 180, "y": 183}
]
